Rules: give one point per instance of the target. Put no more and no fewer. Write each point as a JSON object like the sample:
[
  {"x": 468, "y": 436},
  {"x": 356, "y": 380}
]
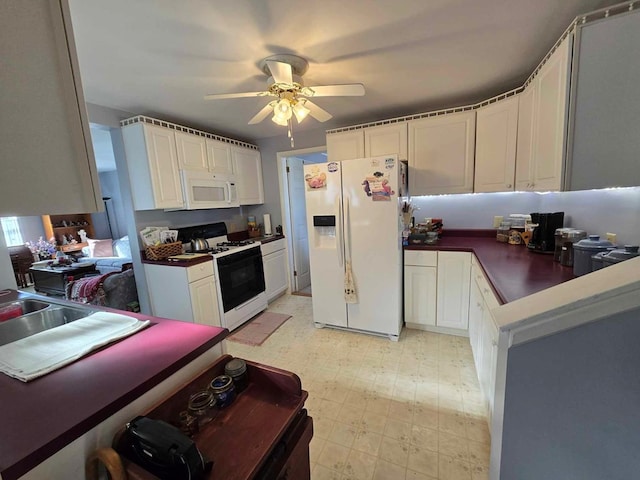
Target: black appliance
[
  {"x": 241, "y": 276},
  {"x": 543, "y": 237},
  {"x": 163, "y": 450}
]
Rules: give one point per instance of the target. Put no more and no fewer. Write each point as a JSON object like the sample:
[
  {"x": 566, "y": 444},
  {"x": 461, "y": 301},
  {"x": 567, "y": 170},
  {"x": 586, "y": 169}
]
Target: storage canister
[
  {"x": 558, "y": 243},
  {"x": 569, "y": 237},
  {"x": 596, "y": 261},
  {"x": 584, "y": 249},
  {"x": 237, "y": 370},
  {"x": 502, "y": 235},
  {"x": 620, "y": 255},
  {"x": 223, "y": 390}
]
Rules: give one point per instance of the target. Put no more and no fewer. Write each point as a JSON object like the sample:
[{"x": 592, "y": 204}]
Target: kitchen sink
[{"x": 38, "y": 316}]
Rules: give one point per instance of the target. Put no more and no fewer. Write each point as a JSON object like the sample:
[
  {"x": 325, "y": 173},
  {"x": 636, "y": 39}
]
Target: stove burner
[
  {"x": 235, "y": 243},
  {"x": 213, "y": 250}
]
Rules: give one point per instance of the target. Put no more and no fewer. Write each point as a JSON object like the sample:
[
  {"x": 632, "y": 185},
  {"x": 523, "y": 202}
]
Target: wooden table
[{"x": 53, "y": 281}]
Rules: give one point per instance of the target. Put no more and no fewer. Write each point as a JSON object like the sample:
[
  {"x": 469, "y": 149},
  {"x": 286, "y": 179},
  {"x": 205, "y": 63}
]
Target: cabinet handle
[
  {"x": 494, "y": 343},
  {"x": 509, "y": 185}
]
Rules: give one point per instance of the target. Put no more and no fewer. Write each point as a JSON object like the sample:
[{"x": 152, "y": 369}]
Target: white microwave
[{"x": 208, "y": 190}]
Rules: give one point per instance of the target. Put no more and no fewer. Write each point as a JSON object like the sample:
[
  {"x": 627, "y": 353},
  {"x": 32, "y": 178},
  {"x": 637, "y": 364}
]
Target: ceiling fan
[{"x": 291, "y": 96}]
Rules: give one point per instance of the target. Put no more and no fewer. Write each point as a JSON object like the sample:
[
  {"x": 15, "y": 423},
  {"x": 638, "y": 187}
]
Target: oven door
[{"x": 241, "y": 277}]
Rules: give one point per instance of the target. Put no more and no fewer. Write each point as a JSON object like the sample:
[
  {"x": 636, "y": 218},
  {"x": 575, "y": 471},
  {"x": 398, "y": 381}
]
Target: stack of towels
[{"x": 44, "y": 352}]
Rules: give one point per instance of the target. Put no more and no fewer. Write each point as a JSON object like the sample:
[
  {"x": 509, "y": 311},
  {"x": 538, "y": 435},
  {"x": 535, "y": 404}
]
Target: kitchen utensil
[
  {"x": 584, "y": 249},
  {"x": 199, "y": 245}
]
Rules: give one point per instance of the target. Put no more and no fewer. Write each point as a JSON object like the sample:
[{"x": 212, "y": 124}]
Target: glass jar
[
  {"x": 223, "y": 390},
  {"x": 237, "y": 370},
  {"x": 502, "y": 235},
  {"x": 201, "y": 406}
]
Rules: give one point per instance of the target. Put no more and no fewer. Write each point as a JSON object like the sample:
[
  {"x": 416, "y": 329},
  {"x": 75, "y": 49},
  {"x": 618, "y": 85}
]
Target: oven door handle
[{"x": 340, "y": 245}]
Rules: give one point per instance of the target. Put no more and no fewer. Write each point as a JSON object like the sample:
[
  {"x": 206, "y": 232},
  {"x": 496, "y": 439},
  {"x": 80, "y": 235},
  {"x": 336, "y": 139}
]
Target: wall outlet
[
  {"x": 497, "y": 220},
  {"x": 612, "y": 237}
]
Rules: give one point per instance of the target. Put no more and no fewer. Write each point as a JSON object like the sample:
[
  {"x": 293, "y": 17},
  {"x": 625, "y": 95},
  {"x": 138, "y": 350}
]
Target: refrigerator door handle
[
  {"x": 347, "y": 231},
  {"x": 339, "y": 239}
]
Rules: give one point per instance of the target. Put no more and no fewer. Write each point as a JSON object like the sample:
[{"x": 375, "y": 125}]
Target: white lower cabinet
[
  {"x": 436, "y": 290},
  {"x": 274, "y": 261},
  {"x": 483, "y": 335},
  {"x": 184, "y": 293}
]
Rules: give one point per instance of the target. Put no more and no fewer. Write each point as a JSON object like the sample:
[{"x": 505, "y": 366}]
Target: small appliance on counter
[{"x": 543, "y": 239}]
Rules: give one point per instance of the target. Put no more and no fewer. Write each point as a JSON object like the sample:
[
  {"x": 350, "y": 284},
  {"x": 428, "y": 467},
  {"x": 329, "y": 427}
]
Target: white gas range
[{"x": 238, "y": 270}]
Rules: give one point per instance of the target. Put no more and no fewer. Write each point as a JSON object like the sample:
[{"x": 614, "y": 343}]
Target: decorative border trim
[{"x": 180, "y": 128}]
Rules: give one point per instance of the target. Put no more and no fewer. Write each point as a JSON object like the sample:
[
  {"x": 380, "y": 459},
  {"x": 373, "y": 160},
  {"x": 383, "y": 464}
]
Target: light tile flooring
[{"x": 410, "y": 409}]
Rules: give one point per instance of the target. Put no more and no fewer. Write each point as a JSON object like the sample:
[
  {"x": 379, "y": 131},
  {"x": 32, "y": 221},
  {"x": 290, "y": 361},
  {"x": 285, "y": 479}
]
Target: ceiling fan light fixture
[
  {"x": 300, "y": 111},
  {"x": 283, "y": 109},
  {"x": 283, "y": 122}
]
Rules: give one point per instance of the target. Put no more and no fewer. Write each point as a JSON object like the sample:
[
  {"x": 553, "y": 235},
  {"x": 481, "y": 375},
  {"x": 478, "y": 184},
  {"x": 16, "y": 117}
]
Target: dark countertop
[
  {"x": 40, "y": 417},
  {"x": 513, "y": 271}
]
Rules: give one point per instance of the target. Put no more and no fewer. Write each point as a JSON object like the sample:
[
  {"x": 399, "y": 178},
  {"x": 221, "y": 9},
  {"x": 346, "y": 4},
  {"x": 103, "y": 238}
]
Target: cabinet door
[
  {"x": 275, "y": 274},
  {"x": 550, "y": 120},
  {"x": 489, "y": 359},
  {"x": 345, "y": 145},
  {"x": 248, "y": 168},
  {"x": 192, "y": 154},
  {"x": 454, "y": 278},
  {"x": 476, "y": 310},
  {"x": 219, "y": 156},
  {"x": 526, "y": 134},
  {"x": 163, "y": 167},
  {"x": 386, "y": 140},
  {"x": 420, "y": 287},
  {"x": 48, "y": 164},
  {"x": 496, "y": 135},
  {"x": 204, "y": 302},
  {"x": 441, "y": 151}
]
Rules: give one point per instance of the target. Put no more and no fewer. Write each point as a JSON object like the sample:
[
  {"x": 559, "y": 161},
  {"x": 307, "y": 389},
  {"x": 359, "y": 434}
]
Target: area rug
[{"x": 256, "y": 331}]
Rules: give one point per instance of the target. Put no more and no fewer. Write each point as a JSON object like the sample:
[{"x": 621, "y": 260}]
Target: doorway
[{"x": 294, "y": 213}]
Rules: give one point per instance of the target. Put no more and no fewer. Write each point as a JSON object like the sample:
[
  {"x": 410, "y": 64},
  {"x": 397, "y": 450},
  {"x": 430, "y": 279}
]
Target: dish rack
[{"x": 162, "y": 251}]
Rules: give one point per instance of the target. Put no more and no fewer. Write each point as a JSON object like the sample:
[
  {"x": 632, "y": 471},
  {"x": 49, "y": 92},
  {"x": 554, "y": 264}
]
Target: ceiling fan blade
[
  {"x": 316, "y": 112},
  {"x": 262, "y": 114},
  {"x": 219, "y": 96},
  {"x": 348, "y": 90},
  {"x": 280, "y": 71}
]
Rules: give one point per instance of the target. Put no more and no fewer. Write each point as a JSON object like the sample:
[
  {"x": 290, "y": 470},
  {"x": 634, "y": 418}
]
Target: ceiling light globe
[
  {"x": 300, "y": 111},
  {"x": 283, "y": 109},
  {"x": 279, "y": 120}
]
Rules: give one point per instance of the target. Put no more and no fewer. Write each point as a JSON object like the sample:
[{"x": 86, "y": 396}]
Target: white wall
[{"x": 596, "y": 211}]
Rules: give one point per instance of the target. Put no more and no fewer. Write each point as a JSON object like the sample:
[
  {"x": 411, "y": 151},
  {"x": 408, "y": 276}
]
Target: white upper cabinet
[
  {"x": 345, "y": 145},
  {"x": 386, "y": 140},
  {"x": 441, "y": 152},
  {"x": 551, "y": 119},
  {"x": 496, "y": 135},
  {"x": 153, "y": 167},
  {"x": 48, "y": 165},
  {"x": 524, "y": 151},
  {"x": 543, "y": 125},
  {"x": 248, "y": 167},
  {"x": 219, "y": 155},
  {"x": 192, "y": 152}
]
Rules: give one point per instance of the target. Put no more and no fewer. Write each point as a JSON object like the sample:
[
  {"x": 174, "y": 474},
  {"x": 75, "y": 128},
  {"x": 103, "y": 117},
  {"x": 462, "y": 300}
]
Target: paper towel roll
[{"x": 267, "y": 223}]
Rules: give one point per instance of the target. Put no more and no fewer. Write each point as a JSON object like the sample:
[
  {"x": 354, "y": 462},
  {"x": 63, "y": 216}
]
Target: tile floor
[{"x": 410, "y": 409}]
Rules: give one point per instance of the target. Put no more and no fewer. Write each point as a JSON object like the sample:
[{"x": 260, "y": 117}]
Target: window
[{"x": 11, "y": 229}]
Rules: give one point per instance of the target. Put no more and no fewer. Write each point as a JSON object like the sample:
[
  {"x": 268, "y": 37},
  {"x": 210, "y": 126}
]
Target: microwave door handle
[
  {"x": 228, "y": 192},
  {"x": 339, "y": 239}
]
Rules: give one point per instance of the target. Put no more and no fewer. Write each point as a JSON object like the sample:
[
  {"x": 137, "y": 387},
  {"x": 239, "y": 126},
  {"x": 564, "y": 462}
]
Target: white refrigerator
[{"x": 354, "y": 218}]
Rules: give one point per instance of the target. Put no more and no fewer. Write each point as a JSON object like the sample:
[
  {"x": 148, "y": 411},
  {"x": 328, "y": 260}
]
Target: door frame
[{"x": 285, "y": 209}]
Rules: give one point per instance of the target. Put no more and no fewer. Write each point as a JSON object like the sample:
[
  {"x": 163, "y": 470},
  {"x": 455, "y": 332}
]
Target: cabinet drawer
[
  {"x": 485, "y": 289},
  {"x": 199, "y": 271},
  {"x": 273, "y": 246},
  {"x": 424, "y": 258}
]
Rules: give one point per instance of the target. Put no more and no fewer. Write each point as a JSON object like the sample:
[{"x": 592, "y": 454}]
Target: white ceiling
[{"x": 160, "y": 57}]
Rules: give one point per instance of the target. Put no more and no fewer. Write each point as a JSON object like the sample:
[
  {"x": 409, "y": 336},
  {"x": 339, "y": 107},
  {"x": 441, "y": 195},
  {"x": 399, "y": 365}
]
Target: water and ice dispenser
[{"x": 324, "y": 231}]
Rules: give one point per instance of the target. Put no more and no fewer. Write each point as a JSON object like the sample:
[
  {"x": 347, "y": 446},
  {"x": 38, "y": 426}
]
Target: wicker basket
[{"x": 165, "y": 250}]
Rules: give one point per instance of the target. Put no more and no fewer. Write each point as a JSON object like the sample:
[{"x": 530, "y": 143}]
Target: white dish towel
[{"x": 44, "y": 352}]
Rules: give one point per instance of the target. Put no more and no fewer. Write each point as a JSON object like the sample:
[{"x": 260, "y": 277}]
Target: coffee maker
[{"x": 542, "y": 239}]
